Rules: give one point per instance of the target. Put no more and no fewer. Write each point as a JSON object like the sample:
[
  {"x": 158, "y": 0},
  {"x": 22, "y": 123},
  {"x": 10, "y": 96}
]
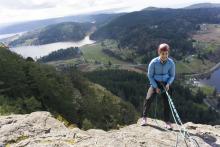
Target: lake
[
  {"x": 3, "y": 36},
  {"x": 213, "y": 80},
  {"x": 37, "y": 51}
]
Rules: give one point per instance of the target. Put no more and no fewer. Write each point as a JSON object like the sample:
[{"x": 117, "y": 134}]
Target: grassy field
[
  {"x": 68, "y": 61},
  {"x": 93, "y": 53},
  {"x": 93, "y": 57},
  {"x": 192, "y": 64},
  {"x": 208, "y": 33},
  {"x": 206, "y": 89},
  {"x": 195, "y": 65},
  {"x": 207, "y": 41}
]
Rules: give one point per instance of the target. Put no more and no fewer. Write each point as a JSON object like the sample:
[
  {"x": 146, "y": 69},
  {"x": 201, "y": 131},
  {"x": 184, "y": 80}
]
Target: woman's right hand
[{"x": 157, "y": 90}]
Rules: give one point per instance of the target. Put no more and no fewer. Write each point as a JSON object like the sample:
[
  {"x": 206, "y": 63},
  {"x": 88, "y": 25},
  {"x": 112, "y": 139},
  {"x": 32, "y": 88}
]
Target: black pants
[{"x": 151, "y": 96}]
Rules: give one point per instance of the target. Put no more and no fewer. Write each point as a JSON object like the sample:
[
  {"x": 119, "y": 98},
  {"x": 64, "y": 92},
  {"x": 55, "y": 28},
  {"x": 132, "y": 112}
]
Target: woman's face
[{"x": 163, "y": 55}]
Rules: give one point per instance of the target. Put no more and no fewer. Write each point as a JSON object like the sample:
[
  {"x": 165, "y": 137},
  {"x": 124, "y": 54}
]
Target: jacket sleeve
[
  {"x": 171, "y": 73},
  {"x": 150, "y": 74}
]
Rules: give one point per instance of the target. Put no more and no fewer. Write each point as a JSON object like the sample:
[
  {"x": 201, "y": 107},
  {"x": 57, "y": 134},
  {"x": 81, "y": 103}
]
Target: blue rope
[{"x": 176, "y": 118}]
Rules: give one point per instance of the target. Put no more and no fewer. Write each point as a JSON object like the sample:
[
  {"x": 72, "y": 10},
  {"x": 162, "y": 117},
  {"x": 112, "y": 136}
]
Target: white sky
[{"x": 23, "y": 10}]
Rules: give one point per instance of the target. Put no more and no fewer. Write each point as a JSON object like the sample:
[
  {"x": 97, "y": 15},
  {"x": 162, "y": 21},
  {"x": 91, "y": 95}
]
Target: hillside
[
  {"x": 61, "y": 54},
  {"x": 99, "y": 19},
  {"x": 142, "y": 31},
  {"x": 27, "y": 86},
  {"x": 203, "y": 5},
  {"x": 131, "y": 86},
  {"x": 41, "y": 129},
  {"x": 66, "y": 31}
]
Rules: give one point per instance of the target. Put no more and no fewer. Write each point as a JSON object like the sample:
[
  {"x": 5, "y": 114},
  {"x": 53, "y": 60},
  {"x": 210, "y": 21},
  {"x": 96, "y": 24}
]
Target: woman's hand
[
  {"x": 167, "y": 87},
  {"x": 157, "y": 90}
]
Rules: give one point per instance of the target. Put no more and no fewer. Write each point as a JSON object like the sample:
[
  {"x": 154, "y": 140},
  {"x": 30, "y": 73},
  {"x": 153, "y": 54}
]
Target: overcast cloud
[{"x": 23, "y": 10}]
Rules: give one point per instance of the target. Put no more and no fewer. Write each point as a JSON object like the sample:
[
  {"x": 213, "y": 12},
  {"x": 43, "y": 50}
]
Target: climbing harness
[{"x": 181, "y": 128}]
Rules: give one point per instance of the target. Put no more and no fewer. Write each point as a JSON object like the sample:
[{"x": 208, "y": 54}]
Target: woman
[{"x": 161, "y": 73}]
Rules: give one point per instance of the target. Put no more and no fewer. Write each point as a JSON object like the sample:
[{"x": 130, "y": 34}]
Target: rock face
[{"x": 40, "y": 129}]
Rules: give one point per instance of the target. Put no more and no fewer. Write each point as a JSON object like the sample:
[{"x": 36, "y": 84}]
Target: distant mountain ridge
[
  {"x": 66, "y": 31},
  {"x": 108, "y": 15},
  {"x": 143, "y": 30},
  {"x": 31, "y": 25},
  {"x": 150, "y": 8},
  {"x": 203, "y": 5}
]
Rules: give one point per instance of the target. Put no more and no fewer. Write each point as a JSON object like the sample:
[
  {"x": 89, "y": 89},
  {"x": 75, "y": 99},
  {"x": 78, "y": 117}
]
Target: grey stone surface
[{"x": 40, "y": 129}]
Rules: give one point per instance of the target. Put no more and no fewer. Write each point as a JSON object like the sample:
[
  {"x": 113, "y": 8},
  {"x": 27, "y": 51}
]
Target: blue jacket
[{"x": 161, "y": 72}]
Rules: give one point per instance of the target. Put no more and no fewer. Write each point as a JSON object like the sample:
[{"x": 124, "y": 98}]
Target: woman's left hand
[{"x": 167, "y": 87}]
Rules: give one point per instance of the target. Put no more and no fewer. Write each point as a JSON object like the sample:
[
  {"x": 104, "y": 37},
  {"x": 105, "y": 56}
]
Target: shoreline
[{"x": 204, "y": 74}]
